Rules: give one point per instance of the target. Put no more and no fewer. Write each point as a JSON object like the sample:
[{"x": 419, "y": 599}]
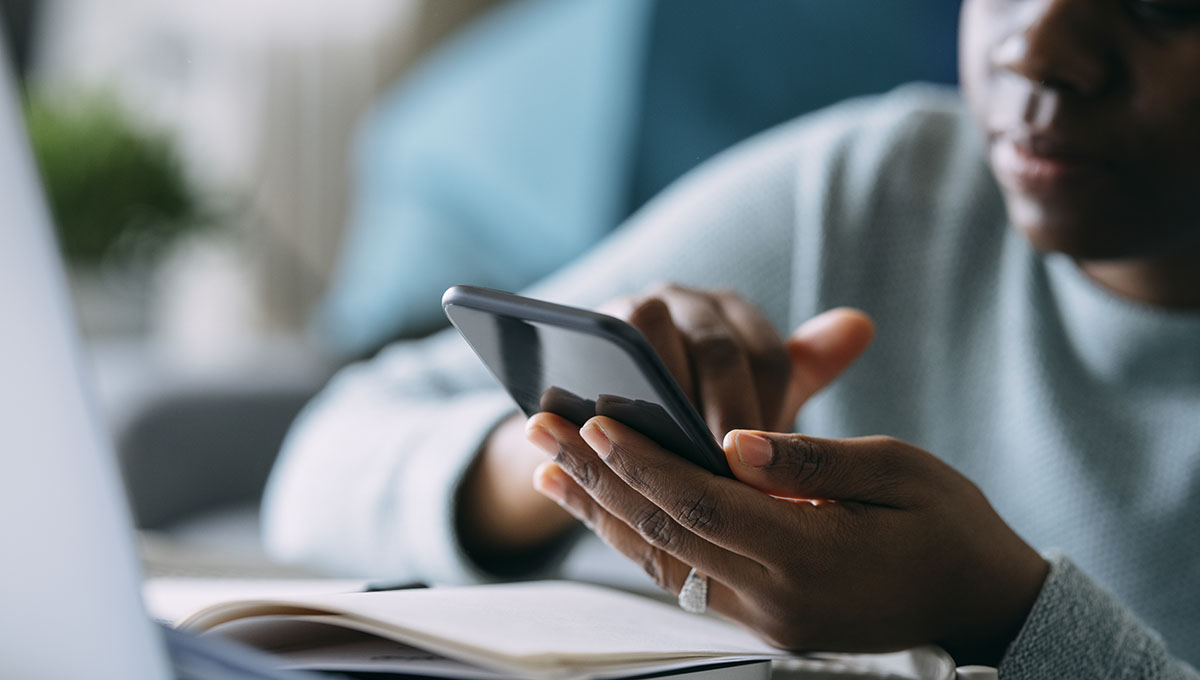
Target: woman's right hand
[{"x": 732, "y": 363}]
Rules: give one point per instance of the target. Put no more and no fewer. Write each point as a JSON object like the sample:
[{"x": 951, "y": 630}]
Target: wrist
[
  {"x": 500, "y": 516},
  {"x": 1011, "y": 597}
]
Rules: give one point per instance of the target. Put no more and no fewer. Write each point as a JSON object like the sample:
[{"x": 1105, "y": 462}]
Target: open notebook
[{"x": 549, "y": 630}]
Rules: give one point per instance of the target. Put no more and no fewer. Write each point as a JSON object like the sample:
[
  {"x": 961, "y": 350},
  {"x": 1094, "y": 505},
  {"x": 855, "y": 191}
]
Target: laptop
[{"x": 70, "y": 581}]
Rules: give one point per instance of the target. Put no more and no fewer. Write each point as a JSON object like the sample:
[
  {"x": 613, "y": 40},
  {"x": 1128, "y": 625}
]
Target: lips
[{"x": 1046, "y": 165}]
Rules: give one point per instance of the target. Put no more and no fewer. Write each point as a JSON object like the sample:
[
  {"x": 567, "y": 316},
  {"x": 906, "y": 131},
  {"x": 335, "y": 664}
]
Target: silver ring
[{"x": 693, "y": 596}]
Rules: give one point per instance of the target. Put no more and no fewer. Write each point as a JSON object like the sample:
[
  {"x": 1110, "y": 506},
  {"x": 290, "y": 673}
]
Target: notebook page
[{"x": 541, "y": 624}]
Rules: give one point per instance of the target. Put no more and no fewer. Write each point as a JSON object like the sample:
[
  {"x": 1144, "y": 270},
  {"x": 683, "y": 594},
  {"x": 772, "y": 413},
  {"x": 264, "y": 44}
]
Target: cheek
[
  {"x": 1166, "y": 85},
  {"x": 1167, "y": 108}
]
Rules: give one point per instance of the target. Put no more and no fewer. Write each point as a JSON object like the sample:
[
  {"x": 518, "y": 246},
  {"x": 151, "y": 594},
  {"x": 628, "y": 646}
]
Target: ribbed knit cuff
[{"x": 1077, "y": 630}]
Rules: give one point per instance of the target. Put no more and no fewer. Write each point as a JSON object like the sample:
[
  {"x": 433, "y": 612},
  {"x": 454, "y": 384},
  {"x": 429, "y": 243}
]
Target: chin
[{"x": 1080, "y": 234}]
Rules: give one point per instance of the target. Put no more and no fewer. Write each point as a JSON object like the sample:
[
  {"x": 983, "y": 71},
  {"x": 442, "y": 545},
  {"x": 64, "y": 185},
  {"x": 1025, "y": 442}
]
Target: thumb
[
  {"x": 875, "y": 470},
  {"x": 820, "y": 349}
]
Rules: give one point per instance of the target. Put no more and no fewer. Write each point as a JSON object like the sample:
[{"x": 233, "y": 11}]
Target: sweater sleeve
[
  {"x": 1077, "y": 630},
  {"x": 367, "y": 479}
]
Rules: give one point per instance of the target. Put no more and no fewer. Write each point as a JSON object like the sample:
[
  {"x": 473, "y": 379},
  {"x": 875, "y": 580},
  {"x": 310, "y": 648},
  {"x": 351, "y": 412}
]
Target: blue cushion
[{"x": 529, "y": 136}]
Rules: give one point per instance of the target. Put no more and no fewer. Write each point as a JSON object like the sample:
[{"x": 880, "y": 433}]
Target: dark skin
[
  {"x": 503, "y": 520},
  {"x": 803, "y": 576},
  {"x": 1090, "y": 109}
]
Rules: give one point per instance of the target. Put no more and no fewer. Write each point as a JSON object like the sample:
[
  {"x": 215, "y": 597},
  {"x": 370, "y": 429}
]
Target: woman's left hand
[{"x": 908, "y": 552}]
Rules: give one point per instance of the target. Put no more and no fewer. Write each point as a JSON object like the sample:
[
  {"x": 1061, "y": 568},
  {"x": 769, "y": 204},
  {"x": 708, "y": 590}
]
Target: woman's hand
[
  {"x": 727, "y": 357},
  {"x": 908, "y": 551},
  {"x": 730, "y": 360}
]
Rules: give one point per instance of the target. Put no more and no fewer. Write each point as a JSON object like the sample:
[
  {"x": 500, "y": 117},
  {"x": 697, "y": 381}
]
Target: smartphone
[{"x": 578, "y": 364}]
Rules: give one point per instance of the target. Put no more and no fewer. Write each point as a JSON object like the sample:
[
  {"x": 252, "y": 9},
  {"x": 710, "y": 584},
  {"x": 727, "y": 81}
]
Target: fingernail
[
  {"x": 753, "y": 450},
  {"x": 547, "y": 479},
  {"x": 542, "y": 439},
  {"x": 595, "y": 437}
]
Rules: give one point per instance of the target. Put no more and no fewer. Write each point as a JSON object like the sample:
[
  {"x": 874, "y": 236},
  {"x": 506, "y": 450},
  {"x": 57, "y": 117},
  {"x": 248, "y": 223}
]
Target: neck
[{"x": 1171, "y": 281}]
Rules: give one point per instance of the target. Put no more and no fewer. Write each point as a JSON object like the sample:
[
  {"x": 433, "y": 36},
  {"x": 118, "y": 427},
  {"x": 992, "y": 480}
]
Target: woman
[{"x": 1036, "y": 335}]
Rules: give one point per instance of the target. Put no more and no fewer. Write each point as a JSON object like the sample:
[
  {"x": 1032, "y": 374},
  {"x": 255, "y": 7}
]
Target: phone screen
[{"x": 578, "y": 374}]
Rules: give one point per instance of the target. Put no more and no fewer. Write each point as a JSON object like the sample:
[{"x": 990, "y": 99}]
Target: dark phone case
[{"x": 702, "y": 448}]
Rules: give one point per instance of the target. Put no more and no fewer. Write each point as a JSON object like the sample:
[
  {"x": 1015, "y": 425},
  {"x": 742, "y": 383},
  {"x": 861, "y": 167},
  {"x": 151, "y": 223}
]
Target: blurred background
[{"x": 251, "y": 194}]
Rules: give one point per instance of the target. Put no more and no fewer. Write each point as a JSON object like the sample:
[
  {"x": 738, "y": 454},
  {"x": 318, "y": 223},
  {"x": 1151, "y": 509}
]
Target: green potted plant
[
  {"x": 111, "y": 184},
  {"x": 119, "y": 196}
]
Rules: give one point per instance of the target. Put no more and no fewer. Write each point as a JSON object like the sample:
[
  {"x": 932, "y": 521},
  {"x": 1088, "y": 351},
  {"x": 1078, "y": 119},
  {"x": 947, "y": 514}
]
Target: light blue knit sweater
[{"x": 1076, "y": 412}]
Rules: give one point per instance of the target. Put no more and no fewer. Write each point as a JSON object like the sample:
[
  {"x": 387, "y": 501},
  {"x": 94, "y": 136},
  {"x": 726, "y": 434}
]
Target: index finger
[
  {"x": 770, "y": 364},
  {"x": 652, "y": 317},
  {"x": 723, "y": 511},
  {"x": 719, "y": 359},
  {"x": 578, "y": 460}
]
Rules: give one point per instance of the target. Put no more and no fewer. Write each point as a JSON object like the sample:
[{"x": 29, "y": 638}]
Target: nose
[{"x": 1059, "y": 44}]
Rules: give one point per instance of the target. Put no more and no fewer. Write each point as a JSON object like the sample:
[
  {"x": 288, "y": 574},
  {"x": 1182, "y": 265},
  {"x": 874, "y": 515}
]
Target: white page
[
  {"x": 530, "y": 625},
  {"x": 171, "y": 599}
]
